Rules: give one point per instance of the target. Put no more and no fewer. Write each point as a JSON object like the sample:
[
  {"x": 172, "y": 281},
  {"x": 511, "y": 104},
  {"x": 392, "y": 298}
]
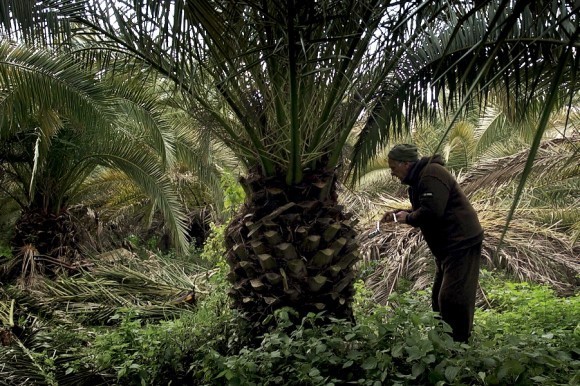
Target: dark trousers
[{"x": 454, "y": 289}]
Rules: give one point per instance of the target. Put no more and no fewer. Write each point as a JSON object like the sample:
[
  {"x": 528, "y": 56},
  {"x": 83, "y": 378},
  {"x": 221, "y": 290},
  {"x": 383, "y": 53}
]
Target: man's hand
[
  {"x": 401, "y": 216},
  {"x": 389, "y": 216},
  {"x": 395, "y": 216}
]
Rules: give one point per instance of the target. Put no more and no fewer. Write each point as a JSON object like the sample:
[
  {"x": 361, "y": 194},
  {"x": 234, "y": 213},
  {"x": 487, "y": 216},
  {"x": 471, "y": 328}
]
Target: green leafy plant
[
  {"x": 5, "y": 251},
  {"x": 407, "y": 345},
  {"x": 213, "y": 249},
  {"x": 525, "y": 336},
  {"x": 234, "y": 195}
]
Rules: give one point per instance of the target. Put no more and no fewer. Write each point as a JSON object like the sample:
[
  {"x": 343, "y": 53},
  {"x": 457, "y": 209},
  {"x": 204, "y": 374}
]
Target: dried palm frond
[
  {"x": 530, "y": 251},
  {"x": 553, "y": 155},
  {"x": 398, "y": 252},
  {"x": 157, "y": 289},
  {"x": 30, "y": 269},
  {"x": 7, "y": 313},
  {"x": 6, "y": 322},
  {"x": 22, "y": 362},
  {"x": 19, "y": 363},
  {"x": 20, "y": 367},
  {"x": 370, "y": 207}
]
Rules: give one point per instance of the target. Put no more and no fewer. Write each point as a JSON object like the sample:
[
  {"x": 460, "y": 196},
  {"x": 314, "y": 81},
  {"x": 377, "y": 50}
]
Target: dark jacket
[{"x": 440, "y": 208}]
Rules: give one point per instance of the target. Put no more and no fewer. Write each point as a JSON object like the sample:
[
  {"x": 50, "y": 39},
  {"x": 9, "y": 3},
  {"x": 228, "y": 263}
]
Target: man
[{"x": 451, "y": 229}]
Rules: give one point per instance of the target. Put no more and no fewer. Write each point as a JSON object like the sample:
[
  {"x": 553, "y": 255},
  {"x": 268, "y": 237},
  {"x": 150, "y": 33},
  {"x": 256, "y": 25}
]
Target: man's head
[{"x": 401, "y": 158}]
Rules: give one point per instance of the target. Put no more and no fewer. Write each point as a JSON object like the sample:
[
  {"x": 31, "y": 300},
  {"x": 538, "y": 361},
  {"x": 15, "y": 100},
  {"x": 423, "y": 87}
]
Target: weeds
[{"x": 528, "y": 336}]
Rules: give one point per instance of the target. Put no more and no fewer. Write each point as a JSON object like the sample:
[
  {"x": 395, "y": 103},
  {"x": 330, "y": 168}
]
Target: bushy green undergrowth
[
  {"x": 139, "y": 352},
  {"x": 408, "y": 346},
  {"x": 517, "y": 343},
  {"x": 528, "y": 336},
  {"x": 526, "y": 308},
  {"x": 5, "y": 250}
]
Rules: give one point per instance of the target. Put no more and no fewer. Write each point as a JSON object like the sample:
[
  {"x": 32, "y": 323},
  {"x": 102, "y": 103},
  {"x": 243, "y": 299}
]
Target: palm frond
[
  {"x": 557, "y": 154},
  {"x": 34, "y": 82},
  {"x": 21, "y": 355},
  {"x": 153, "y": 287},
  {"x": 19, "y": 366},
  {"x": 83, "y": 117},
  {"x": 531, "y": 252},
  {"x": 20, "y": 362},
  {"x": 397, "y": 253},
  {"x": 24, "y": 20},
  {"x": 142, "y": 116},
  {"x": 466, "y": 57},
  {"x": 460, "y": 146},
  {"x": 144, "y": 170},
  {"x": 551, "y": 98},
  {"x": 7, "y": 313}
]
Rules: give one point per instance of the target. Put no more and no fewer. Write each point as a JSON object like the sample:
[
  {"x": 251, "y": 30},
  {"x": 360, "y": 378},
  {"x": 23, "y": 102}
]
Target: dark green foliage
[
  {"x": 339, "y": 353},
  {"x": 527, "y": 336},
  {"x": 525, "y": 307},
  {"x": 408, "y": 346},
  {"x": 139, "y": 352}
]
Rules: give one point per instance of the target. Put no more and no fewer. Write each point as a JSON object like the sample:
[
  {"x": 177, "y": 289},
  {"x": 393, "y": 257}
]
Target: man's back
[{"x": 440, "y": 208}]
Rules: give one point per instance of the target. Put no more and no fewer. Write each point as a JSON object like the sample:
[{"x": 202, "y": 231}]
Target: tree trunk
[
  {"x": 44, "y": 243},
  {"x": 292, "y": 246}
]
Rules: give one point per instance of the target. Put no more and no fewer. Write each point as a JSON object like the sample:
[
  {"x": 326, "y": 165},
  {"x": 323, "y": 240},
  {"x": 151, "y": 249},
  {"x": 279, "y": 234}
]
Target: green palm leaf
[{"x": 82, "y": 124}]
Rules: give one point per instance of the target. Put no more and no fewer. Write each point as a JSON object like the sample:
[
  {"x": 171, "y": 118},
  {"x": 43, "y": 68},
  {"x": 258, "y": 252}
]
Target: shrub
[
  {"x": 532, "y": 337},
  {"x": 408, "y": 345},
  {"x": 141, "y": 353}
]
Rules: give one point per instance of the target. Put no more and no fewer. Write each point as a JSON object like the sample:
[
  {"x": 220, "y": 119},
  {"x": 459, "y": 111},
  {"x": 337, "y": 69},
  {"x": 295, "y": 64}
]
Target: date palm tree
[
  {"x": 284, "y": 83},
  {"x": 59, "y": 125}
]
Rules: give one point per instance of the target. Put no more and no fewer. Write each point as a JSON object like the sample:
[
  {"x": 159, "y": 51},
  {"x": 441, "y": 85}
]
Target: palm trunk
[
  {"x": 292, "y": 246},
  {"x": 45, "y": 243}
]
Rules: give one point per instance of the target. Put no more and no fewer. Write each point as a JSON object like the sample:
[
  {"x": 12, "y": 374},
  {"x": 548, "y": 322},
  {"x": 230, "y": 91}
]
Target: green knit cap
[{"x": 404, "y": 152}]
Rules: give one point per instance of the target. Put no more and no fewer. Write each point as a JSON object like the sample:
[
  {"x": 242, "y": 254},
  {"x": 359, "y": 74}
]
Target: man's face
[{"x": 399, "y": 169}]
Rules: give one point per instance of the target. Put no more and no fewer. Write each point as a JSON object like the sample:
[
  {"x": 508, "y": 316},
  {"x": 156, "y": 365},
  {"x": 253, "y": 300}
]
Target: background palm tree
[
  {"x": 285, "y": 83},
  {"x": 59, "y": 124},
  {"x": 197, "y": 176}
]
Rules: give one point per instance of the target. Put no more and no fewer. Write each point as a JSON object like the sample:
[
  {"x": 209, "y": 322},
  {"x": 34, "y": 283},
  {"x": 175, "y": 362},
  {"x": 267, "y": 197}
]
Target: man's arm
[{"x": 433, "y": 196}]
